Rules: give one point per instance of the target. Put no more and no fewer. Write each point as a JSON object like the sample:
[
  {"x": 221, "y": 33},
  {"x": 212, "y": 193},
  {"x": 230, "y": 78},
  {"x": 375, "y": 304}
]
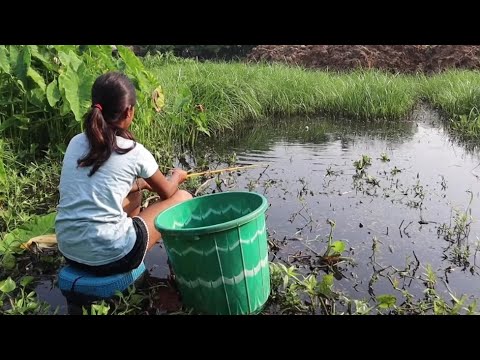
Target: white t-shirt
[{"x": 91, "y": 226}]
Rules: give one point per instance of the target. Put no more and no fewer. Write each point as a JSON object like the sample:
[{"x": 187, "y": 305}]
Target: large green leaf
[
  {"x": 37, "y": 78},
  {"x": 98, "y": 49},
  {"x": 37, "y": 97},
  {"x": 85, "y": 88},
  {"x": 70, "y": 59},
  {"x": 102, "y": 57},
  {"x": 65, "y": 107},
  {"x": 13, "y": 50},
  {"x": 23, "y": 64},
  {"x": 131, "y": 60},
  {"x": 143, "y": 83},
  {"x": 4, "y": 63},
  {"x": 42, "y": 55},
  {"x": 64, "y": 48},
  {"x": 75, "y": 60},
  {"x": 53, "y": 93},
  {"x": 64, "y": 58},
  {"x": 69, "y": 83},
  {"x": 38, "y": 225}
]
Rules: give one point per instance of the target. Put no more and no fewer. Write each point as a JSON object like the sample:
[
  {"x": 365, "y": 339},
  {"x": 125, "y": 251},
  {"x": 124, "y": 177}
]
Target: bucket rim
[{"x": 217, "y": 227}]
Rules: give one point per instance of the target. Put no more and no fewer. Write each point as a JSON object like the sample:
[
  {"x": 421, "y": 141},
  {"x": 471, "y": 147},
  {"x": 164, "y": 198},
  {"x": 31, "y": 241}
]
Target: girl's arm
[{"x": 164, "y": 187}]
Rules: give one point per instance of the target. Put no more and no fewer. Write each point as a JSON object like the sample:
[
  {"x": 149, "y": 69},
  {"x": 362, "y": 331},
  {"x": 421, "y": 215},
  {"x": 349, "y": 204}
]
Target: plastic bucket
[{"x": 217, "y": 246}]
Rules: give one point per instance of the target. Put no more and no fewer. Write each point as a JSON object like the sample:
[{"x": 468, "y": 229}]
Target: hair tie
[{"x": 98, "y": 106}]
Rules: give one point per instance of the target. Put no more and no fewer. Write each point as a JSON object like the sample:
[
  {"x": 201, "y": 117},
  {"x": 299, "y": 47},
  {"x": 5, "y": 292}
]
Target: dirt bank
[{"x": 395, "y": 58}]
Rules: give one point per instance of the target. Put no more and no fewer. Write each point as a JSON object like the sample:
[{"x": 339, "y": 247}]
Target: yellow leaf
[
  {"x": 158, "y": 99},
  {"x": 42, "y": 241}
]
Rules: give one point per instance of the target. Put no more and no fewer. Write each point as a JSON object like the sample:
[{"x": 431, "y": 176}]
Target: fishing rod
[{"x": 208, "y": 172}]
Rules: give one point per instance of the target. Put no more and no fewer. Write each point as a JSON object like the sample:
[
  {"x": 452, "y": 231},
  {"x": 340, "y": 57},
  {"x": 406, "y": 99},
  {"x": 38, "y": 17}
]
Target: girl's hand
[
  {"x": 180, "y": 175},
  {"x": 164, "y": 187}
]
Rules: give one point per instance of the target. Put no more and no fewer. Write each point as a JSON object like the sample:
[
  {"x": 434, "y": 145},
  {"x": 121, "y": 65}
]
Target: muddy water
[{"x": 311, "y": 178}]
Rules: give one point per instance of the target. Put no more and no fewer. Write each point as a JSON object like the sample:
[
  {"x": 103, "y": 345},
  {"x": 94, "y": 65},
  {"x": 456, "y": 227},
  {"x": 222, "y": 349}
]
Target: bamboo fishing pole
[{"x": 223, "y": 170}]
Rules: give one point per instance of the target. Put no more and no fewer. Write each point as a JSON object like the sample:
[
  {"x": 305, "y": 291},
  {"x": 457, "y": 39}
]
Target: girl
[{"x": 99, "y": 224}]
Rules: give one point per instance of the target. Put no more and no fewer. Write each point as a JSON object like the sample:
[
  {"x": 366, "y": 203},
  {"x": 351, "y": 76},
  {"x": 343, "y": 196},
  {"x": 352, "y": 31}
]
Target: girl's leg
[{"x": 149, "y": 214}]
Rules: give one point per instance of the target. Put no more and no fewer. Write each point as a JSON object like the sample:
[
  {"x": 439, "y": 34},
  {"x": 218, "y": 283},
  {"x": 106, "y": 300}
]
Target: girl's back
[{"x": 91, "y": 223}]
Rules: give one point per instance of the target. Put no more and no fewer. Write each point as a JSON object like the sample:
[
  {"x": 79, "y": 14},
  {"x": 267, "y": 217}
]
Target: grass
[
  {"x": 235, "y": 92},
  {"x": 456, "y": 92},
  {"x": 213, "y": 97},
  {"x": 30, "y": 187},
  {"x": 231, "y": 94}
]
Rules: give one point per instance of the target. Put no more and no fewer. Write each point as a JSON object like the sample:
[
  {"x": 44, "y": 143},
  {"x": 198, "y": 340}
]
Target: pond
[{"x": 415, "y": 204}]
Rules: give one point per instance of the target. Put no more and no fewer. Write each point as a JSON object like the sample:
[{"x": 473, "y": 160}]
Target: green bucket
[{"x": 217, "y": 246}]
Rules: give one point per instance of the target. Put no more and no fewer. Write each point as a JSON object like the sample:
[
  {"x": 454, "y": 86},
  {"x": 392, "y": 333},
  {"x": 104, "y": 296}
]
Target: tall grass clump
[
  {"x": 456, "y": 93},
  {"x": 228, "y": 93}
]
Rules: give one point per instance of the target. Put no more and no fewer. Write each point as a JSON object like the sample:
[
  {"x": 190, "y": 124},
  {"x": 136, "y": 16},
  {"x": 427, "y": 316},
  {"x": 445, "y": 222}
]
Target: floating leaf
[
  {"x": 338, "y": 247},
  {"x": 386, "y": 301},
  {"x": 325, "y": 287}
]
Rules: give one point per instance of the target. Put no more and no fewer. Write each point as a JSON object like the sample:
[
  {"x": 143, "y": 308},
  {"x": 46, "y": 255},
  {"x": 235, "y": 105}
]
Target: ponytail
[
  {"x": 115, "y": 93},
  {"x": 102, "y": 137}
]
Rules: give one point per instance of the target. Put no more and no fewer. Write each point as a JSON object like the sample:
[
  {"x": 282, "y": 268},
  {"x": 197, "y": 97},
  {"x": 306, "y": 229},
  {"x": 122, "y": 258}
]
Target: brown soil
[
  {"x": 394, "y": 58},
  {"x": 166, "y": 298}
]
